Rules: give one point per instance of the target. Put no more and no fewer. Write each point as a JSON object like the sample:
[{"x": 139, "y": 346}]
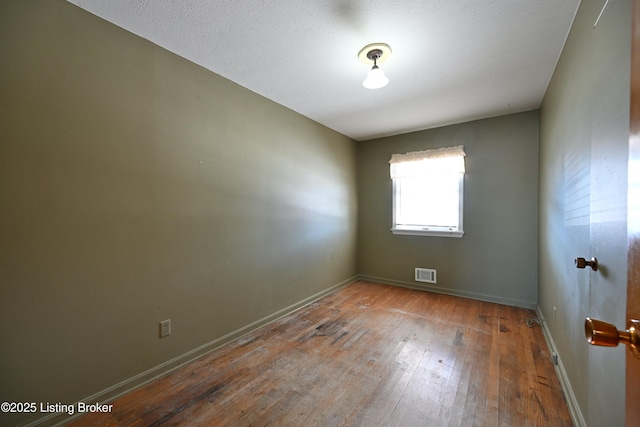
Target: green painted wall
[
  {"x": 136, "y": 186},
  {"x": 496, "y": 259},
  {"x": 584, "y": 133}
]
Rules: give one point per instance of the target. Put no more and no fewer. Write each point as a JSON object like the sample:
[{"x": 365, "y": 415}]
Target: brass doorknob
[
  {"x": 607, "y": 335},
  {"x": 582, "y": 263}
]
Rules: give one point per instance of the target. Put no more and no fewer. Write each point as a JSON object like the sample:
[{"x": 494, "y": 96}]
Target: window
[{"x": 427, "y": 192}]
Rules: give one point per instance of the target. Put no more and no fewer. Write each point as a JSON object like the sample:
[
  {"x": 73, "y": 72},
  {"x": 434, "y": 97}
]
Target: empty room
[{"x": 335, "y": 213}]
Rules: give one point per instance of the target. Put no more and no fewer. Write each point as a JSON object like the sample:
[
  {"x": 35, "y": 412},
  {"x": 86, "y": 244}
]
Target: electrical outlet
[{"x": 165, "y": 328}]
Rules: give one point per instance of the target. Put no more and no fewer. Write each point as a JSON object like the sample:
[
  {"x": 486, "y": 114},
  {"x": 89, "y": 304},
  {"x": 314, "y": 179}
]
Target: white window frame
[{"x": 425, "y": 229}]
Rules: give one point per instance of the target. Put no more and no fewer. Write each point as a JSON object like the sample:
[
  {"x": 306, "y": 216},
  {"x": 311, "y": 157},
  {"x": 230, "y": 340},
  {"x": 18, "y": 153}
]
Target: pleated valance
[{"x": 446, "y": 160}]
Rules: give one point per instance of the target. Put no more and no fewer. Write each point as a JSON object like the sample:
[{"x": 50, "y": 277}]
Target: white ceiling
[{"x": 452, "y": 61}]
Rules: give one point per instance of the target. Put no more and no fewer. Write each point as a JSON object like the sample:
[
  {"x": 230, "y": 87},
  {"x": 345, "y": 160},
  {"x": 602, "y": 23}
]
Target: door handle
[
  {"x": 607, "y": 335},
  {"x": 582, "y": 263}
]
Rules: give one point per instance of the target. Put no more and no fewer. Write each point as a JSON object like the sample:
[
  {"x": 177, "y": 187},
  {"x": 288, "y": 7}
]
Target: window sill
[{"x": 426, "y": 232}]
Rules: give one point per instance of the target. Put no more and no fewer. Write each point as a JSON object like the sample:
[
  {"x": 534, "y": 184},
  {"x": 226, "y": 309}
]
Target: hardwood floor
[{"x": 366, "y": 355}]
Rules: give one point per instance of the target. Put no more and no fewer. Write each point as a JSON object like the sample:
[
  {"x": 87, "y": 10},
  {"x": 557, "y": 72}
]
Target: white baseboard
[
  {"x": 110, "y": 394},
  {"x": 572, "y": 403},
  {"x": 454, "y": 292}
]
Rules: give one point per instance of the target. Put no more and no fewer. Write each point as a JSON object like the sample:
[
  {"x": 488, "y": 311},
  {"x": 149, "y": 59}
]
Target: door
[
  {"x": 633, "y": 219},
  {"x": 608, "y": 183},
  {"x": 632, "y": 235}
]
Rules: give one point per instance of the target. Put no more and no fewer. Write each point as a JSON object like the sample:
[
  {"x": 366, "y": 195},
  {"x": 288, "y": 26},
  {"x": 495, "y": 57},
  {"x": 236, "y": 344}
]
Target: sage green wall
[
  {"x": 137, "y": 186},
  {"x": 496, "y": 259},
  {"x": 584, "y": 133}
]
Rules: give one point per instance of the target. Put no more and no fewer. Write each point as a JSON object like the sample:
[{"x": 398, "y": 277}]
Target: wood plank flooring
[{"x": 365, "y": 355}]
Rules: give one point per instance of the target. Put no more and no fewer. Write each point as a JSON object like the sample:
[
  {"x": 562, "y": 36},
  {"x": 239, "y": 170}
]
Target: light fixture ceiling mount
[
  {"x": 382, "y": 47},
  {"x": 376, "y": 52}
]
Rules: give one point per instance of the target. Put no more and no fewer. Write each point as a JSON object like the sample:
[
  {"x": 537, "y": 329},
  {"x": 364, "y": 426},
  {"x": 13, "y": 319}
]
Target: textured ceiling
[{"x": 452, "y": 61}]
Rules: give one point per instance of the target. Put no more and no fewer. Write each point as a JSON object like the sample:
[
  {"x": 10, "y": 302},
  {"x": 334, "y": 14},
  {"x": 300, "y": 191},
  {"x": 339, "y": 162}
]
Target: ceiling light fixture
[{"x": 376, "y": 52}]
